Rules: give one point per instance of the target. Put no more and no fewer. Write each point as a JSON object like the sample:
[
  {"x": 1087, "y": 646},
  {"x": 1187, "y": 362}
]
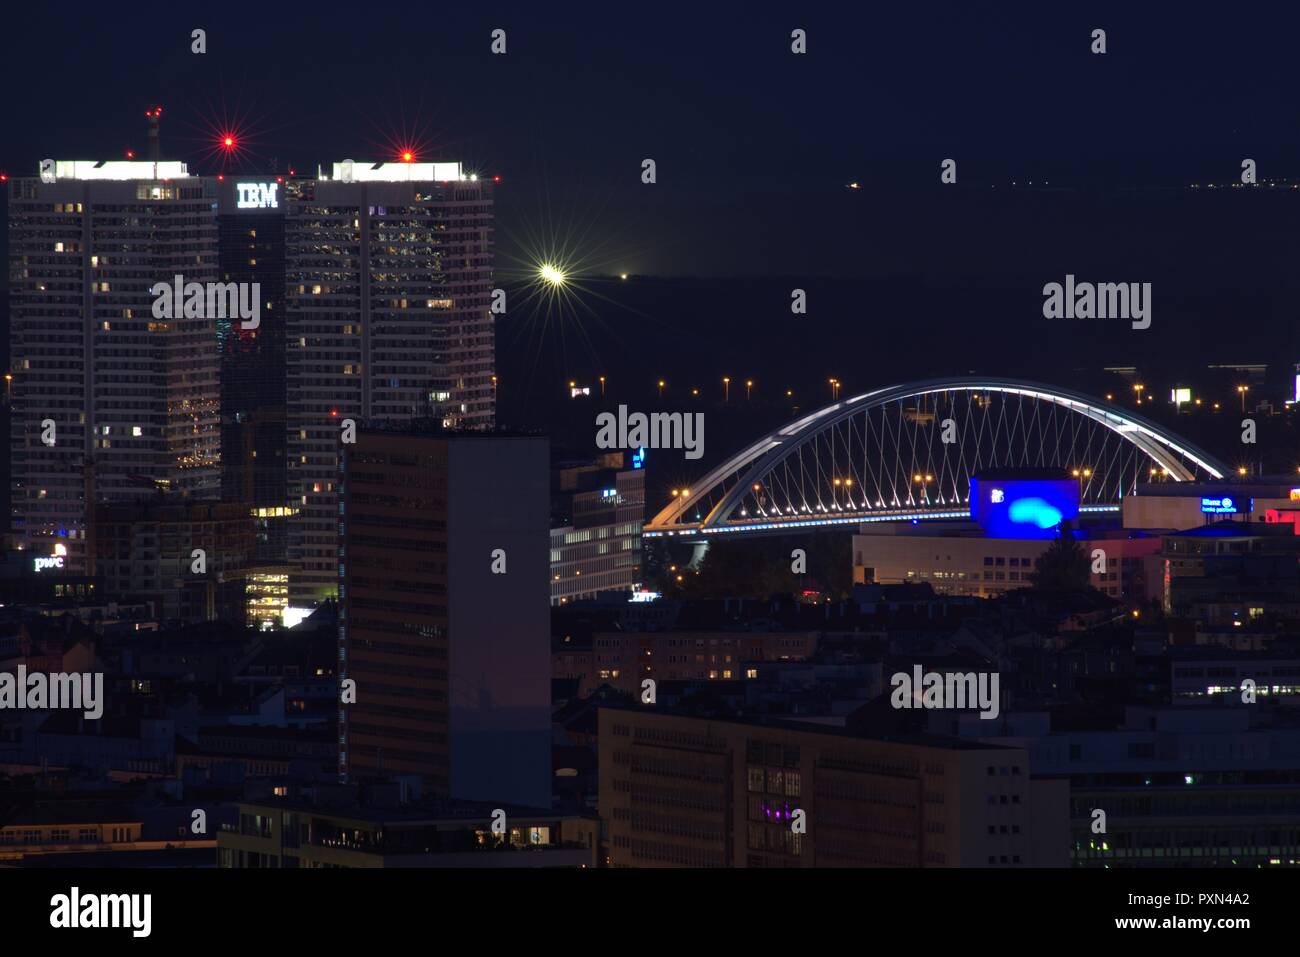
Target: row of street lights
[
  {"x": 726, "y": 388},
  {"x": 1139, "y": 389}
]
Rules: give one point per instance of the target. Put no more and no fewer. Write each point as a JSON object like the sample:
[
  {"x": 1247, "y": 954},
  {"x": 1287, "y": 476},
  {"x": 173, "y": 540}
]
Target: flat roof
[
  {"x": 782, "y": 723},
  {"x": 1027, "y": 474},
  {"x": 120, "y": 169},
  {"x": 364, "y": 171},
  {"x": 1263, "y": 487}
]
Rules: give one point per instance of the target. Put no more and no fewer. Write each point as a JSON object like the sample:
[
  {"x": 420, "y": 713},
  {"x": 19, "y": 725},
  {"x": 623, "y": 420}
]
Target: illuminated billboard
[
  {"x": 257, "y": 195},
  {"x": 1226, "y": 504},
  {"x": 1023, "y": 503}
]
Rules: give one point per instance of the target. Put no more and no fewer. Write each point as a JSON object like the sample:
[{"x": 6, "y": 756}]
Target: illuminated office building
[
  {"x": 387, "y": 309},
  {"x": 597, "y": 512},
  {"x": 133, "y": 400},
  {"x": 1015, "y": 514},
  {"x": 253, "y": 432}
]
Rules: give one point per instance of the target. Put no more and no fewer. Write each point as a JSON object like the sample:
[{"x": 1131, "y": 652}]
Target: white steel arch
[{"x": 726, "y": 486}]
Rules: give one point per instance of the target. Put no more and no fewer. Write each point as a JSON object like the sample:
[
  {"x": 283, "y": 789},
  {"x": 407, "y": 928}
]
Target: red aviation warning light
[{"x": 408, "y": 156}]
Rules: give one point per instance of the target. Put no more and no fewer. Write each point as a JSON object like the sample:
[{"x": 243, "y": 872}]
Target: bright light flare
[{"x": 552, "y": 274}]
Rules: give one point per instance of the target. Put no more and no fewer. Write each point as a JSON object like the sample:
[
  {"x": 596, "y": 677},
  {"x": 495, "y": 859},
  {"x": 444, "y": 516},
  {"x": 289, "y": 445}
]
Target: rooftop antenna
[{"x": 153, "y": 115}]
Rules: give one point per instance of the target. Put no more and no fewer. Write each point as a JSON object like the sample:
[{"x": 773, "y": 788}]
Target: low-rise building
[
  {"x": 293, "y": 833},
  {"x": 597, "y": 511},
  {"x": 684, "y": 791},
  {"x": 623, "y": 660}
]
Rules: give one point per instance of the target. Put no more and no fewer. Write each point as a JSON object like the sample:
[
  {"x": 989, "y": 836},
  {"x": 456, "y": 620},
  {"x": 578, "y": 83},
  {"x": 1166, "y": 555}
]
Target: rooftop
[
  {"x": 787, "y": 724},
  {"x": 352, "y": 171},
  {"x": 120, "y": 169},
  {"x": 1265, "y": 486}
]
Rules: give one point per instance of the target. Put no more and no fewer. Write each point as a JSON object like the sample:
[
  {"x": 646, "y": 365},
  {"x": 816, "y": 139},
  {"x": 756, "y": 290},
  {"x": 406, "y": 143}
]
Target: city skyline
[{"x": 650, "y": 439}]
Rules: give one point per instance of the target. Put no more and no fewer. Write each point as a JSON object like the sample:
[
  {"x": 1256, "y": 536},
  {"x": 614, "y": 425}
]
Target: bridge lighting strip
[{"x": 859, "y": 520}]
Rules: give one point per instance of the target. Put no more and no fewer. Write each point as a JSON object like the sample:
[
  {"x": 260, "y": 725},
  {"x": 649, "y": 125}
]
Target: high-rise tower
[
  {"x": 108, "y": 400},
  {"x": 387, "y": 305}
]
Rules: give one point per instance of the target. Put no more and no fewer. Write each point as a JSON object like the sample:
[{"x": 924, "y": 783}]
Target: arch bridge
[{"x": 909, "y": 451}]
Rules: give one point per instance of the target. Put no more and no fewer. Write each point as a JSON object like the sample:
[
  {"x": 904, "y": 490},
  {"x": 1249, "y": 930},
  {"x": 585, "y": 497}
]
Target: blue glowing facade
[{"x": 1029, "y": 504}]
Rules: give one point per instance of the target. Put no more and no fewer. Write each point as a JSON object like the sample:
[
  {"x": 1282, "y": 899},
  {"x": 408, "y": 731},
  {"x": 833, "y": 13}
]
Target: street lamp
[
  {"x": 922, "y": 481},
  {"x": 1242, "y": 390},
  {"x": 726, "y": 388},
  {"x": 749, "y": 385}
]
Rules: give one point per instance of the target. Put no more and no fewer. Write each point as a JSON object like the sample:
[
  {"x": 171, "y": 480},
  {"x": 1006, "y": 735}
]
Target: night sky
[{"x": 755, "y": 147}]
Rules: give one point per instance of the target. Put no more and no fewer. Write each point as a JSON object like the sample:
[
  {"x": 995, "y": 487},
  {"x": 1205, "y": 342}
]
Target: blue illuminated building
[{"x": 1023, "y": 503}]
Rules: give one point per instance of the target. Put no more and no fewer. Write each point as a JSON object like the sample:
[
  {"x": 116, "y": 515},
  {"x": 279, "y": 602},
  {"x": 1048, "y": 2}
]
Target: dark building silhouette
[{"x": 444, "y": 615}]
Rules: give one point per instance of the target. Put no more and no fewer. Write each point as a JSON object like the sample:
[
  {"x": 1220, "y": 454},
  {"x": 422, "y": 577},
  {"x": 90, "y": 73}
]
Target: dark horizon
[{"x": 753, "y": 144}]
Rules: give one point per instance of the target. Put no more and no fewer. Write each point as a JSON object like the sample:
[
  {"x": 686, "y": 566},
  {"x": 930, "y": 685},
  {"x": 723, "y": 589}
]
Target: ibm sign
[{"x": 257, "y": 195}]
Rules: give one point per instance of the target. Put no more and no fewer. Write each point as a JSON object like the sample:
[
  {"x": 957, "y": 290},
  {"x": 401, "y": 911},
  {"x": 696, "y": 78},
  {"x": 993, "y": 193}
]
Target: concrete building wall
[
  {"x": 686, "y": 791},
  {"x": 499, "y": 624}
]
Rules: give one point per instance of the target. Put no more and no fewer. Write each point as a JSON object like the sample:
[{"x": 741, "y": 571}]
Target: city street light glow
[{"x": 551, "y": 274}]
